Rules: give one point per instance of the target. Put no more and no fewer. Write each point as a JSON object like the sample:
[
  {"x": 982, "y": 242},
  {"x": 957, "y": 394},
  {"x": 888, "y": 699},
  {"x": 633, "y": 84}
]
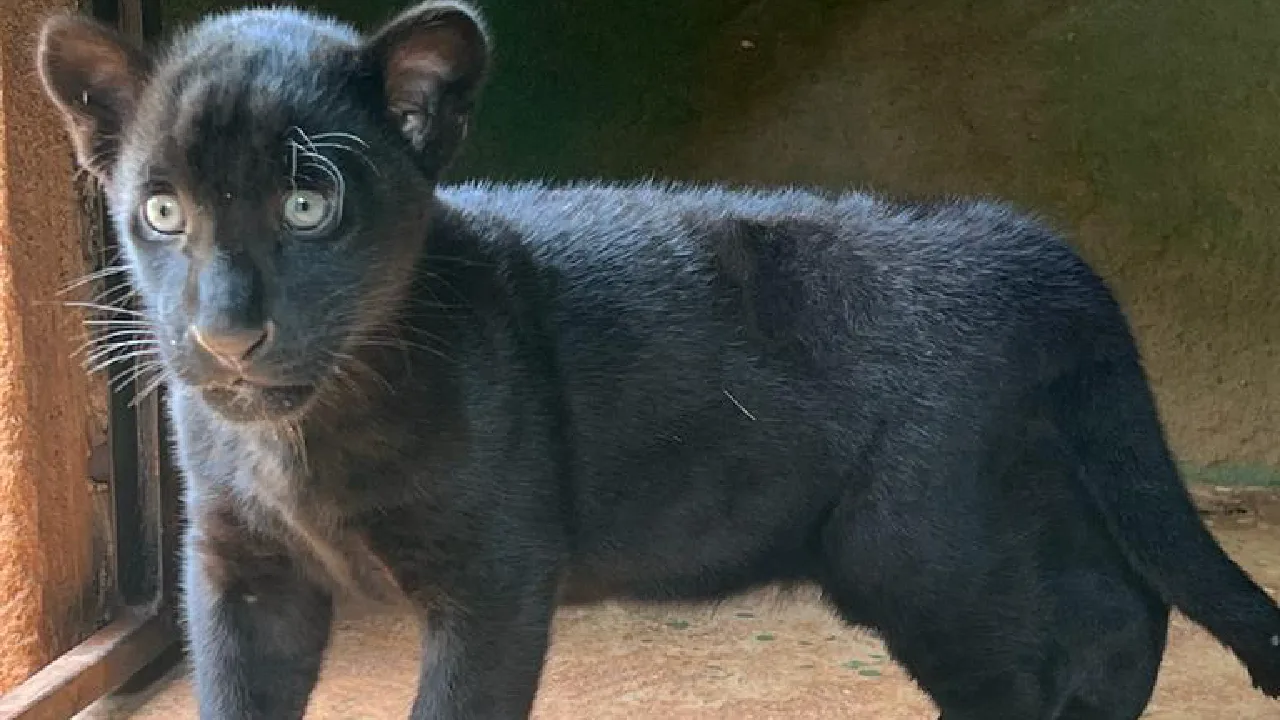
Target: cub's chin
[{"x": 244, "y": 402}]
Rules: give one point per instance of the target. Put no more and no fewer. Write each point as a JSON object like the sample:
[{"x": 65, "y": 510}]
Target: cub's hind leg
[
  {"x": 958, "y": 606},
  {"x": 990, "y": 634},
  {"x": 1112, "y": 632}
]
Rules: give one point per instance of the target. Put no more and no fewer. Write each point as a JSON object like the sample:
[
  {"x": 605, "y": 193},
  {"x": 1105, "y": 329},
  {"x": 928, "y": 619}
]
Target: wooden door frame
[{"x": 144, "y": 507}]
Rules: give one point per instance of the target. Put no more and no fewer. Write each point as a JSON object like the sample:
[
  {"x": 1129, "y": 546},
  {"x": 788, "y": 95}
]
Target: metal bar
[
  {"x": 136, "y": 534},
  {"x": 126, "y": 480},
  {"x": 92, "y": 669}
]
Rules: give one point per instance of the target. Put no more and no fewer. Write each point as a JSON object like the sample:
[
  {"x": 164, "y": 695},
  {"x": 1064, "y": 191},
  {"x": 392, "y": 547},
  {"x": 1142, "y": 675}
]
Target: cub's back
[{"x": 817, "y": 281}]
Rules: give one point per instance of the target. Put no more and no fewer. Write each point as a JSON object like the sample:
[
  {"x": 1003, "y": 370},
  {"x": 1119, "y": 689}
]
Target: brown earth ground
[{"x": 755, "y": 658}]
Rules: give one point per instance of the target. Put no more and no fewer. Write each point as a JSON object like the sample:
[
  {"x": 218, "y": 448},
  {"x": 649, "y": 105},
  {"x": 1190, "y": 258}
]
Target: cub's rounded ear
[
  {"x": 432, "y": 61},
  {"x": 94, "y": 75}
]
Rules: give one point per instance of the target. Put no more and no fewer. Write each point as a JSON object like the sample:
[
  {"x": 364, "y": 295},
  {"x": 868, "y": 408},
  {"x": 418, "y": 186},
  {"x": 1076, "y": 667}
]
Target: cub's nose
[{"x": 233, "y": 347}]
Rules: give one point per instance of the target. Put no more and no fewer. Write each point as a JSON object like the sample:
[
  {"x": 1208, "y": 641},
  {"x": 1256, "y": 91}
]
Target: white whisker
[
  {"x": 106, "y": 338},
  {"x": 293, "y": 165},
  {"x": 103, "y": 308},
  {"x": 344, "y": 135},
  {"x": 399, "y": 344},
  {"x": 120, "y": 323},
  {"x": 106, "y": 296},
  {"x": 306, "y": 139},
  {"x": 130, "y": 375},
  {"x": 91, "y": 277},
  {"x": 335, "y": 175},
  {"x": 151, "y": 387},
  {"x": 363, "y": 157},
  {"x": 145, "y": 352},
  {"x": 103, "y": 352}
]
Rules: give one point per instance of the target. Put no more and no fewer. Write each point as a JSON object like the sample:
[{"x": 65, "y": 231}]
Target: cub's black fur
[{"x": 491, "y": 400}]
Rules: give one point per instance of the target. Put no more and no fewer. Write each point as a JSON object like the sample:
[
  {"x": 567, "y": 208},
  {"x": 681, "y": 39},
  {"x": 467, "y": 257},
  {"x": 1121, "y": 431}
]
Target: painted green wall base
[{"x": 1233, "y": 475}]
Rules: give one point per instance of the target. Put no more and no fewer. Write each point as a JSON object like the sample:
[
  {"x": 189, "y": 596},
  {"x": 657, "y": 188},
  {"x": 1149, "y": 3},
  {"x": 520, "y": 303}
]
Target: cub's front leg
[
  {"x": 488, "y": 601},
  {"x": 257, "y": 627},
  {"x": 483, "y": 660}
]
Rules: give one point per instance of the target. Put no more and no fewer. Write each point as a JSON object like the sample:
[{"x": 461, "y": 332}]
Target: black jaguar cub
[{"x": 490, "y": 400}]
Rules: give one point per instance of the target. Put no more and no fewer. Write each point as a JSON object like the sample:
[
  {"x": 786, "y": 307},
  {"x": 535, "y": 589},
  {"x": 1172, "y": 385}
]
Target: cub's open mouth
[
  {"x": 249, "y": 401},
  {"x": 251, "y": 384}
]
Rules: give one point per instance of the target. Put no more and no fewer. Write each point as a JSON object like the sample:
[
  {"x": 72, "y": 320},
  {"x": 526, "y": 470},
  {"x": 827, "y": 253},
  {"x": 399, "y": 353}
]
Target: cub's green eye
[
  {"x": 306, "y": 209},
  {"x": 164, "y": 213}
]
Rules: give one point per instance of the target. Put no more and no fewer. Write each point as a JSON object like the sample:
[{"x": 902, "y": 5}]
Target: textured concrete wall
[
  {"x": 1145, "y": 129},
  {"x": 46, "y": 526}
]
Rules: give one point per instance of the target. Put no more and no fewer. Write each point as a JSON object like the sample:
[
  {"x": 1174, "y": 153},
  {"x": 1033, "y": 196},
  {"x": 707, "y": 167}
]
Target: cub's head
[{"x": 269, "y": 174}]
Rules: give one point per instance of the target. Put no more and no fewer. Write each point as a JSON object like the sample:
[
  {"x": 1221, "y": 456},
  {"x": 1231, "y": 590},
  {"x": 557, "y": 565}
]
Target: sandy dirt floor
[{"x": 755, "y": 658}]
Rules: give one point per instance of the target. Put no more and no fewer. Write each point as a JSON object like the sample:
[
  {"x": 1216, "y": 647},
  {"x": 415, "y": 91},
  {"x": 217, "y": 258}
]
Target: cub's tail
[{"x": 1109, "y": 416}]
